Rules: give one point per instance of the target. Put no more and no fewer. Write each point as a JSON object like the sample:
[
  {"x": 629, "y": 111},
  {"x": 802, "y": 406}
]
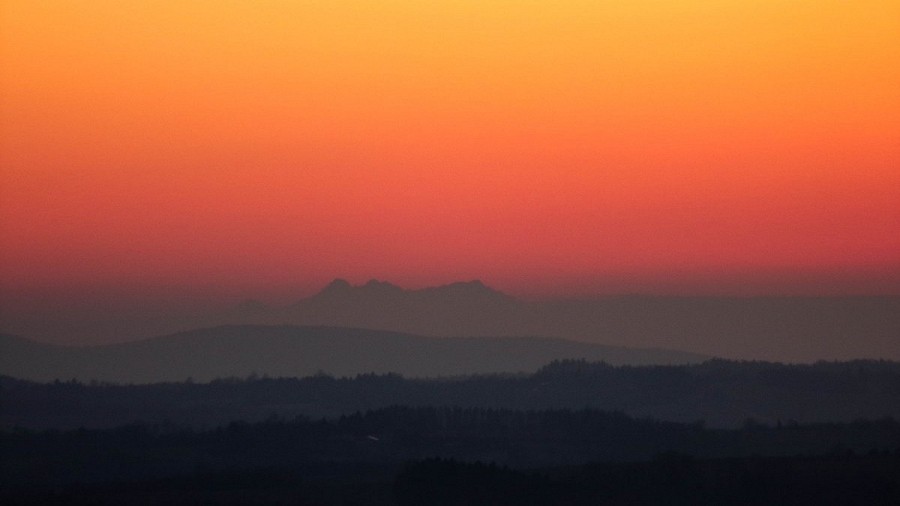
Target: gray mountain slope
[{"x": 286, "y": 351}]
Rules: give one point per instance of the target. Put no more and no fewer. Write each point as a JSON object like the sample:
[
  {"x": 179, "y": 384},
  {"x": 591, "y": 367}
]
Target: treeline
[{"x": 719, "y": 393}]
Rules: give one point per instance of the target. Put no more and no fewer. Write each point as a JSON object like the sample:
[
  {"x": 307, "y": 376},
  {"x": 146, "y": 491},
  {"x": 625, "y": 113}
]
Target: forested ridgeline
[
  {"x": 672, "y": 479},
  {"x": 362, "y": 449},
  {"x": 720, "y": 393}
]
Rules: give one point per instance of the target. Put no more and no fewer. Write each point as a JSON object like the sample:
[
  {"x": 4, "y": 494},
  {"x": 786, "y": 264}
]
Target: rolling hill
[{"x": 288, "y": 351}]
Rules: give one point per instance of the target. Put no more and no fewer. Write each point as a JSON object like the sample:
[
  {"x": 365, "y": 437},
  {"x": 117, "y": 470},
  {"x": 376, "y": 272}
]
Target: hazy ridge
[
  {"x": 292, "y": 351},
  {"x": 787, "y": 329}
]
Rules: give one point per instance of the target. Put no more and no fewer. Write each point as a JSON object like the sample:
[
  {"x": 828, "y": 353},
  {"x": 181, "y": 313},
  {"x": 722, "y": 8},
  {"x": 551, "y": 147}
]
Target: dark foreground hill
[
  {"x": 289, "y": 351},
  {"x": 719, "y": 393},
  {"x": 836, "y": 479},
  {"x": 388, "y": 457}
]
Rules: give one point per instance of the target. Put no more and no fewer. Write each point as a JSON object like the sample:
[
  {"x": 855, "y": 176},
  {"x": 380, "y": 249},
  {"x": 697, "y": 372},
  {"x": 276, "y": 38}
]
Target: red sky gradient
[{"x": 265, "y": 147}]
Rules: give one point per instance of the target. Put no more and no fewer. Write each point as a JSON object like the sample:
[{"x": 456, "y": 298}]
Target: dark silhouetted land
[
  {"x": 460, "y": 395},
  {"x": 386, "y": 457}
]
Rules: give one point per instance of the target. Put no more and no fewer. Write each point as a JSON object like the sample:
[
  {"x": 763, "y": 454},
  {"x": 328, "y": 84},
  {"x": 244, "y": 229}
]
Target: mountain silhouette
[
  {"x": 465, "y": 309},
  {"x": 288, "y": 351},
  {"x": 468, "y": 293}
]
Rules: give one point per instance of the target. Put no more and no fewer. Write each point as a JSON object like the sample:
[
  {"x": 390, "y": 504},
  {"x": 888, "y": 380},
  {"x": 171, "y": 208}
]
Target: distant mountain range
[
  {"x": 801, "y": 329},
  {"x": 292, "y": 351},
  {"x": 465, "y": 309},
  {"x": 792, "y": 329}
]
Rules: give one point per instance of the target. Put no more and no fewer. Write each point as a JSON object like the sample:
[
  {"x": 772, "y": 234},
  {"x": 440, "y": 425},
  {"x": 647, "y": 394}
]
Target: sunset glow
[{"x": 545, "y": 147}]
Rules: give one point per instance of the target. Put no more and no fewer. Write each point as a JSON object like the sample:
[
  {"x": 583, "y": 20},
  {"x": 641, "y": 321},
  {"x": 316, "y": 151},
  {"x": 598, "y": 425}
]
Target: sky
[{"x": 264, "y": 147}]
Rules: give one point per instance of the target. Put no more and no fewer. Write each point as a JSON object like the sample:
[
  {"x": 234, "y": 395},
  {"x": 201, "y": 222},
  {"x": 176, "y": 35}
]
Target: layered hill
[{"x": 720, "y": 393}]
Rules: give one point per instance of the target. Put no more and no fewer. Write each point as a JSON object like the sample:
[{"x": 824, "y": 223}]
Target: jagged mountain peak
[
  {"x": 464, "y": 289},
  {"x": 375, "y": 287},
  {"x": 342, "y": 288},
  {"x": 337, "y": 284}
]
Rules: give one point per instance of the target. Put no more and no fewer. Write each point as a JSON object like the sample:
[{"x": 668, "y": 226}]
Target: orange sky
[{"x": 544, "y": 147}]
